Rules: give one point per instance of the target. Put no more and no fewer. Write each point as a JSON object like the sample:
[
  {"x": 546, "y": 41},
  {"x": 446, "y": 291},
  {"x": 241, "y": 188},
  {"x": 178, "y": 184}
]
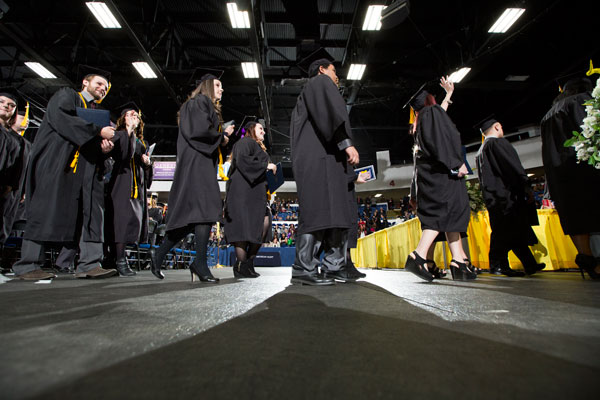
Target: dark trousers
[
  {"x": 66, "y": 257},
  {"x": 33, "y": 257},
  {"x": 333, "y": 242},
  {"x": 499, "y": 249}
]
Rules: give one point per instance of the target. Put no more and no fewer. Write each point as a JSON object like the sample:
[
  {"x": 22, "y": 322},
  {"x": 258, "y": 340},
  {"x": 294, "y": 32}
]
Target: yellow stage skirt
[{"x": 390, "y": 247}]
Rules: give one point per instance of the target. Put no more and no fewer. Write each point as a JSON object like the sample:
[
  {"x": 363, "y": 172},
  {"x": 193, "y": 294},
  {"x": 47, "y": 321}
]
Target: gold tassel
[
  {"x": 221, "y": 170},
  {"x": 412, "y": 116},
  {"x": 25, "y": 120},
  {"x": 134, "y": 190},
  {"x": 76, "y": 156},
  {"x": 592, "y": 70}
]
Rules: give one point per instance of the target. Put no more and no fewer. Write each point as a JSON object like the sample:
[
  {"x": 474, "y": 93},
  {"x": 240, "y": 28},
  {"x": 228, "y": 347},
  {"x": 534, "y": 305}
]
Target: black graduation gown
[
  {"x": 573, "y": 187},
  {"x": 13, "y": 163},
  {"x": 505, "y": 185},
  {"x": 126, "y": 208},
  {"x": 442, "y": 199},
  {"x": 323, "y": 177},
  {"x": 246, "y": 201},
  {"x": 60, "y": 199},
  {"x": 195, "y": 196},
  {"x": 12, "y": 202}
]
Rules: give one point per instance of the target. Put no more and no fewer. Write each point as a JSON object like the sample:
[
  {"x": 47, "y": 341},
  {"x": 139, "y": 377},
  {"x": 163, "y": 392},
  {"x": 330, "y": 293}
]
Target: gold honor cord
[
  {"x": 134, "y": 189},
  {"x": 221, "y": 170},
  {"x": 25, "y": 120}
]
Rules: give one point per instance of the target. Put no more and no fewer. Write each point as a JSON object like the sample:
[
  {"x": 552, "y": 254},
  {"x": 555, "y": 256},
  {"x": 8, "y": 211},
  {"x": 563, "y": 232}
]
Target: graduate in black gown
[
  {"x": 126, "y": 205},
  {"x": 573, "y": 186},
  {"x": 65, "y": 188},
  {"x": 195, "y": 200},
  {"x": 322, "y": 159},
  {"x": 509, "y": 199},
  {"x": 442, "y": 199},
  {"x": 13, "y": 161},
  {"x": 20, "y": 126},
  {"x": 247, "y": 214}
]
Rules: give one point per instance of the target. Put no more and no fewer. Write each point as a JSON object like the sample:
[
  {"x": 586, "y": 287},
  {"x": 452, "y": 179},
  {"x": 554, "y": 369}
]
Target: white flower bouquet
[{"x": 587, "y": 142}]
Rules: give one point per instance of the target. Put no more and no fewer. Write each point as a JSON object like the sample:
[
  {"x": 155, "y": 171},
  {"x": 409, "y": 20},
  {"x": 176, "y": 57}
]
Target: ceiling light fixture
[
  {"x": 377, "y": 195},
  {"x": 144, "y": 69},
  {"x": 373, "y": 18},
  {"x": 103, "y": 14},
  {"x": 239, "y": 19},
  {"x": 508, "y": 17},
  {"x": 250, "y": 70},
  {"x": 356, "y": 71},
  {"x": 458, "y": 76},
  {"x": 40, "y": 70}
]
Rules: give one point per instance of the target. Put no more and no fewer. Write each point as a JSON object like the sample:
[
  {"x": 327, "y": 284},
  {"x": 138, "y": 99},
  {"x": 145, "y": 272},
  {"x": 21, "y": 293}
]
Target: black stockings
[
  {"x": 247, "y": 250},
  {"x": 201, "y": 232}
]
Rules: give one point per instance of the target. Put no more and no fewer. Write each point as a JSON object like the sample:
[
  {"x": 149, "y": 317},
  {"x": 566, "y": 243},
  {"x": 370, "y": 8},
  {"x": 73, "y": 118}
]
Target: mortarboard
[
  {"x": 209, "y": 73},
  {"x": 85, "y": 70},
  {"x": 313, "y": 69},
  {"x": 418, "y": 92},
  {"x": 486, "y": 124},
  {"x": 129, "y": 106},
  {"x": 11, "y": 93}
]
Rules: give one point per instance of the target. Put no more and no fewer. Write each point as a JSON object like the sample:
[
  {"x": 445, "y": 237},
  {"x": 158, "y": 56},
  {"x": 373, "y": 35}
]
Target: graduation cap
[
  {"x": 86, "y": 70},
  {"x": 418, "y": 92},
  {"x": 316, "y": 54},
  {"x": 209, "y": 73},
  {"x": 11, "y": 93},
  {"x": 313, "y": 68},
  {"x": 486, "y": 123},
  {"x": 129, "y": 107}
]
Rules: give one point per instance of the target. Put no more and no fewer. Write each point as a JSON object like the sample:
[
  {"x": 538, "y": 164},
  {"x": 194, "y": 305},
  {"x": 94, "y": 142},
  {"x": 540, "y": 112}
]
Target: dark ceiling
[{"x": 187, "y": 38}]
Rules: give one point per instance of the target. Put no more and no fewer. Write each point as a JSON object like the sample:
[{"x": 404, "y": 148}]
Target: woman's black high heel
[
  {"x": 209, "y": 278},
  {"x": 251, "y": 268},
  {"x": 435, "y": 271},
  {"x": 460, "y": 271},
  {"x": 588, "y": 264},
  {"x": 154, "y": 266},
  {"x": 418, "y": 267}
]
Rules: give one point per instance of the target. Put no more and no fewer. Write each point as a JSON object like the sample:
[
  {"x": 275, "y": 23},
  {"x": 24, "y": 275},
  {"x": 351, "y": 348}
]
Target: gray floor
[{"x": 389, "y": 336}]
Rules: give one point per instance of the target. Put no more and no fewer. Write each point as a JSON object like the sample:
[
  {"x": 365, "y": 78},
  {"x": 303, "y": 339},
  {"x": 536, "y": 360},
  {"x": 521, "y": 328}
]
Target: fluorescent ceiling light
[
  {"x": 517, "y": 78},
  {"x": 508, "y": 17},
  {"x": 103, "y": 14},
  {"x": 250, "y": 70},
  {"x": 373, "y": 18},
  {"x": 239, "y": 19},
  {"x": 40, "y": 70},
  {"x": 458, "y": 76},
  {"x": 144, "y": 69},
  {"x": 530, "y": 174},
  {"x": 377, "y": 195},
  {"x": 356, "y": 72}
]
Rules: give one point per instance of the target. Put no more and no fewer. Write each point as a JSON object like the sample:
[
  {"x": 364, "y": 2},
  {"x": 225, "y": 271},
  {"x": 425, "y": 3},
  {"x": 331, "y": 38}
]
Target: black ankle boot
[
  {"x": 241, "y": 270},
  {"x": 588, "y": 264},
  {"x": 251, "y": 267},
  {"x": 123, "y": 268}
]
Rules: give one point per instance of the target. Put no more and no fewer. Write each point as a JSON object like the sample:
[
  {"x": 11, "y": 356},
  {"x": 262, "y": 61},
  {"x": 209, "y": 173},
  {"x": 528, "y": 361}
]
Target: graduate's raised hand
[
  {"x": 107, "y": 132},
  {"x": 106, "y": 145},
  {"x": 352, "y": 154},
  {"x": 447, "y": 84}
]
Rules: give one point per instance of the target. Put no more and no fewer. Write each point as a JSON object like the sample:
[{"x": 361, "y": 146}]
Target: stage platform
[{"x": 390, "y": 336}]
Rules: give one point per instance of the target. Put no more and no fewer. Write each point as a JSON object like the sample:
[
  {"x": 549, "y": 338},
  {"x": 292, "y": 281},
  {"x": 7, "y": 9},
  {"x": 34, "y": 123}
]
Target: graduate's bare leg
[
  {"x": 582, "y": 244},
  {"x": 416, "y": 261},
  {"x": 29, "y": 266},
  {"x": 460, "y": 270}
]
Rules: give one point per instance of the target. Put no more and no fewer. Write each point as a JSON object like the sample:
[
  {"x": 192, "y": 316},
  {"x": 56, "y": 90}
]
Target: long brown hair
[
  {"x": 251, "y": 131},
  {"x": 206, "y": 88},
  {"x": 139, "y": 131}
]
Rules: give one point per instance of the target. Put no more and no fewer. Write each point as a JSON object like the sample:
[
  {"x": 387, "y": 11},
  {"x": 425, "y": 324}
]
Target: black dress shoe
[
  {"x": 154, "y": 266},
  {"x": 312, "y": 280},
  {"x": 507, "y": 271},
  {"x": 534, "y": 269},
  {"x": 352, "y": 271},
  {"x": 241, "y": 270},
  {"x": 340, "y": 275},
  {"x": 123, "y": 269}
]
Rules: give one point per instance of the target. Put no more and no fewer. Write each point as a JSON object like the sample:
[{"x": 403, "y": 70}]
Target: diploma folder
[
  {"x": 99, "y": 118},
  {"x": 274, "y": 181},
  {"x": 368, "y": 173}
]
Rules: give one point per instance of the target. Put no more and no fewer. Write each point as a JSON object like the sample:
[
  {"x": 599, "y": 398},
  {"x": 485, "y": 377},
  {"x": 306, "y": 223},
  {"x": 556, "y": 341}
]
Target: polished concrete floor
[{"x": 389, "y": 336}]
